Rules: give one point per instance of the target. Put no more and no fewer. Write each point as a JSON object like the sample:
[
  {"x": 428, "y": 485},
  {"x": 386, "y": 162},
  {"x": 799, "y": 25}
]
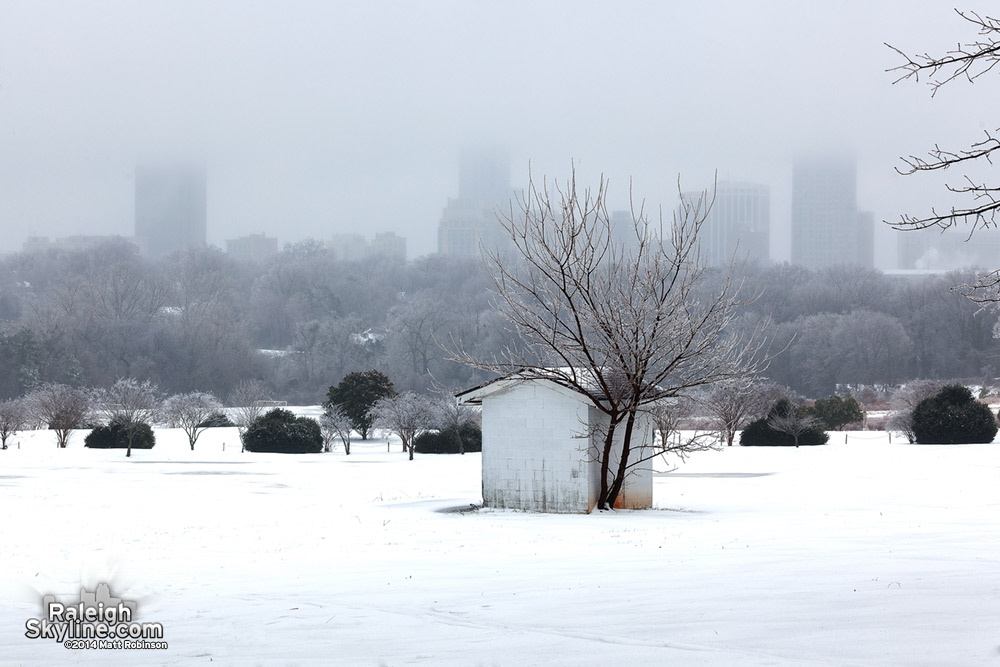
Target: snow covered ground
[{"x": 864, "y": 553}]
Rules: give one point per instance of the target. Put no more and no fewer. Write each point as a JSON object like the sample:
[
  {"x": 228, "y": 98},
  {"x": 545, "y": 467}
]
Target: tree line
[
  {"x": 122, "y": 416},
  {"x": 301, "y": 320}
]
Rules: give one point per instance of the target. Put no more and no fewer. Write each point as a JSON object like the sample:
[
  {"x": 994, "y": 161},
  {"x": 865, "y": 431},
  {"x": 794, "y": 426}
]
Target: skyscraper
[
  {"x": 483, "y": 185},
  {"x": 738, "y": 226},
  {"x": 827, "y": 227},
  {"x": 170, "y": 208}
]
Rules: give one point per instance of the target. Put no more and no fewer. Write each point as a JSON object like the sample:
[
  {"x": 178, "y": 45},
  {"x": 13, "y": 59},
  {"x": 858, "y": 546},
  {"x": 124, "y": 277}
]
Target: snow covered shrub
[
  {"x": 953, "y": 416},
  {"x": 446, "y": 441},
  {"x": 216, "y": 420},
  {"x": 761, "y": 433},
  {"x": 282, "y": 432},
  {"x": 115, "y": 436}
]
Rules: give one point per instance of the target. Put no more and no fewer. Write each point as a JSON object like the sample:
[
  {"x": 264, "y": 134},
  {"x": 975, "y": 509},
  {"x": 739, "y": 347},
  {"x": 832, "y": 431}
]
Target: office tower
[
  {"x": 737, "y": 226},
  {"x": 471, "y": 219},
  {"x": 827, "y": 227},
  {"x": 170, "y": 208}
]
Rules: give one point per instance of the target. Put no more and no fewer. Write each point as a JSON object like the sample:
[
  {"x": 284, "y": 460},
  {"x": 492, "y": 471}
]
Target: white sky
[{"x": 321, "y": 117}]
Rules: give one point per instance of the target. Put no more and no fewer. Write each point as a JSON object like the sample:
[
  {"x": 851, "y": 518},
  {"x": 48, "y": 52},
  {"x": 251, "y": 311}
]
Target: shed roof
[{"x": 475, "y": 395}]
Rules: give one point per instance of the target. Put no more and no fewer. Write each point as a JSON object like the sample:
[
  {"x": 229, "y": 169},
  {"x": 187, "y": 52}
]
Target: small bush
[
  {"x": 447, "y": 441},
  {"x": 280, "y": 431},
  {"x": 216, "y": 420},
  {"x": 115, "y": 436},
  {"x": 953, "y": 416},
  {"x": 760, "y": 434}
]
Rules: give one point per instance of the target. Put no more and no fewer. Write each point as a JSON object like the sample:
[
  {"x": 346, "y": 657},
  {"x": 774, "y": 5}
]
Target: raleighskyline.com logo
[{"x": 95, "y": 621}]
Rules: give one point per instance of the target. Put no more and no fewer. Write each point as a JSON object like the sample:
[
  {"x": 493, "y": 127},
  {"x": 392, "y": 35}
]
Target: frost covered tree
[
  {"x": 60, "y": 408},
  {"x": 667, "y": 415},
  {"x": 248, "y": 399},
  {"x": 794, "y": 422},
  {"x": 734, "y": 404},
  {"x": 334, "y": 423},
  {"x": 13, "y": 418},
  {"x": 903, "y": 402},
  {"x": 190, "y": 412},
  {"x": 407, "y": 415},
  {"x": 968, "y": 61},
  {"x": 132, "y": 403},
  {"x": 453, "y": 417},
  {"x": 622, "y": 316}
]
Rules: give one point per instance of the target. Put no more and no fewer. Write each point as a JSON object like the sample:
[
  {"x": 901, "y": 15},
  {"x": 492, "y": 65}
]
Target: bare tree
[
  {"x": 623, "y": 319},
  {"x": 968, "y": 61},
  {"x": 407, "y": 415},
  {"x": 13, "y": 418},
  {"x": 59, "y": 407},
  {"x": 667, "y": 415},
  {"x": 189, "y": 412},
  {"x": 336, "y": 423},
  {"x": 794, "y": 423},
  {"x": 248, "y": 400},
  {"x": 453, "y": 417},
  {"x": 327, "y": 432},
  {"x": 132, "y": 403},
  {"x": 734, "y": 404},
  {"x": 904, "y": 400}
]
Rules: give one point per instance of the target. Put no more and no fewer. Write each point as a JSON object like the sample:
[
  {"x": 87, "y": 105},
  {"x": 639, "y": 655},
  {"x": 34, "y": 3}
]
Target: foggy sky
[{"x": 319, "y": 117}]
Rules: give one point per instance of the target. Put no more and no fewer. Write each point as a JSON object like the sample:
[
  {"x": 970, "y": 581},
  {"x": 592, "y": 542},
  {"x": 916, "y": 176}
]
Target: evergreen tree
[
  {"x": 953, "y": 416},
  {"x": 356, "y": 394}
]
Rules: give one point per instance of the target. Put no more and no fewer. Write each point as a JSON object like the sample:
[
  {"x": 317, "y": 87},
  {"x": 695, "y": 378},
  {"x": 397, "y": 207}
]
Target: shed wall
[{"x": 533, "y": 456}]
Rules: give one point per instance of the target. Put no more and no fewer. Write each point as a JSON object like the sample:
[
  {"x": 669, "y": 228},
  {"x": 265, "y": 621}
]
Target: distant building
[
  {"x": 932, "y": 249},
  {"x": 738, "y": 225},
  {"x": 388, "y": 245},
  {"x": 827, "y": 228},
  {"x": 348, "y": 246},
  {"x": 170, "y": 208},
  {"x": 464, "y": 224},
  {"x": 351, "y": 247},
  {"x": 253, "y": 247},
  {"x": 471, "y": 219}
]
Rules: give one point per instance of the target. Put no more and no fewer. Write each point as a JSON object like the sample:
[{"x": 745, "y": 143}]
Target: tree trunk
[
  {"x": 609, "y": 438},
  {"x": 616, "y": 487}
]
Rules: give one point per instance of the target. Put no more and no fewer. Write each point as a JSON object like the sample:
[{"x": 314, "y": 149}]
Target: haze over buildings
[
  {"x": 738, "y": 225},
  {"x": 170, "y": 208},
  {"x": 253, "y": 247},
  {"x": 827, "y": 227},
  {"x": 312, "y": 118},
  {"x": 470, "y": 220}
]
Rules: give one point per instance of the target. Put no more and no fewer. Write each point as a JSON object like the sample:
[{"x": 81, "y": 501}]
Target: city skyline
[
  {"x": 356, "y": 113},
  {"x": 492, "y": 166}
]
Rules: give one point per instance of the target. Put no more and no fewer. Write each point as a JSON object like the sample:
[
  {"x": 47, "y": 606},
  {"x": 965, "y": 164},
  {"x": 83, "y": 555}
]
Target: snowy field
[{"x": 865, "y": 553}]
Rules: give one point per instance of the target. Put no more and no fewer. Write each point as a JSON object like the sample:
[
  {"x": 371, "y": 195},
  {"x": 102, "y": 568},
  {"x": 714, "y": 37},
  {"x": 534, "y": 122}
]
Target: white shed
[{"x": 536, "y": 454}]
